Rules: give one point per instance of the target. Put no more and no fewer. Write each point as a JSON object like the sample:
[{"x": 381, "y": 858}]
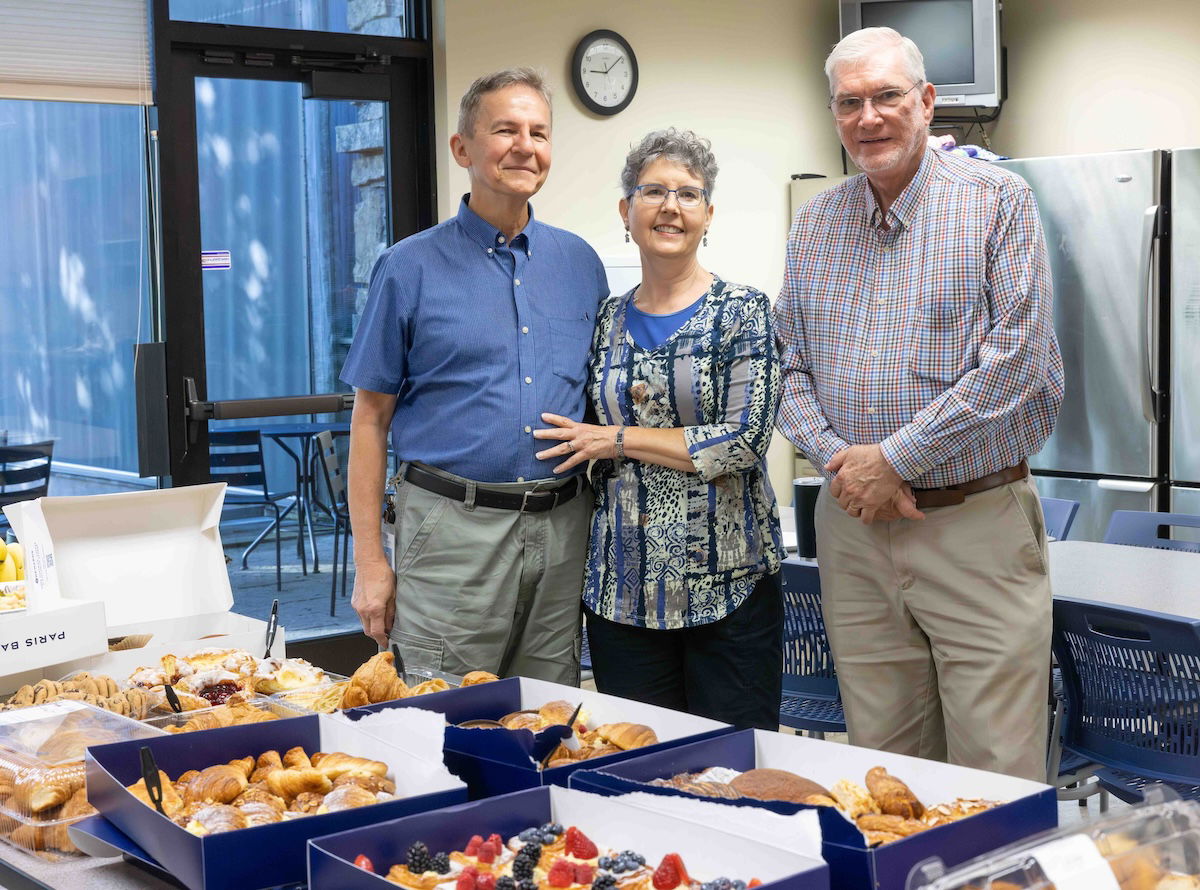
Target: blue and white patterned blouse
[{"x": 671, "y": 549}]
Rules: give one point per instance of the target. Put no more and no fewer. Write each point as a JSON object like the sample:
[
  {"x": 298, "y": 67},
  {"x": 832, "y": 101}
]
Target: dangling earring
[
  {"x": 706, "y": 237},
  {"x": 627, "y": 236}
]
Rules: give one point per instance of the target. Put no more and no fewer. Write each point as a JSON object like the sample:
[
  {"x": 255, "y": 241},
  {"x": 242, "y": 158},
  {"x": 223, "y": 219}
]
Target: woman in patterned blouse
[{"x": 682, "y": 593}]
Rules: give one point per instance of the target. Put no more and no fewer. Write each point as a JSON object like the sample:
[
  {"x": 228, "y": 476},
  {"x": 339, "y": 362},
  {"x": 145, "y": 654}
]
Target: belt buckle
[{"x": 525, "y": 499}]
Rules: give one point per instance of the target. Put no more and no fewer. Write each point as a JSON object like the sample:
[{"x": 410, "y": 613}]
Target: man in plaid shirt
[{"x": 920, "y": 371}]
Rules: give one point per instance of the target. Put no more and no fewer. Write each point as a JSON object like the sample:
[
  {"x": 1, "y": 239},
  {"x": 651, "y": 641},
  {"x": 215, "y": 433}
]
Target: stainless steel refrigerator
[{"x": 1123, "y": 231}]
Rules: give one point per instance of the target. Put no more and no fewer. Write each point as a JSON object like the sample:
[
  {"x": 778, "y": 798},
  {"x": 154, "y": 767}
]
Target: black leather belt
[
  {"x": 525, "y": 501},
  {"x": 949, "y": 495}
]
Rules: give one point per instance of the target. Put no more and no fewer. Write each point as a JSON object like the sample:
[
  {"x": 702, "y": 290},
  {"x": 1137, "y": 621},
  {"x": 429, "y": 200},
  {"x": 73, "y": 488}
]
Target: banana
[
  {"x": 8, "y": 571},
  {"x": 16, "y": 551}
]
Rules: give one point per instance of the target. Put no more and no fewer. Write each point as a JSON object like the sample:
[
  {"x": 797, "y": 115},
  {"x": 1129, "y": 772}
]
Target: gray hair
[
  {"x": 680, "y": 146},
  {"x": 468, "y": 106},
  {"x": 862, "y": 44}
]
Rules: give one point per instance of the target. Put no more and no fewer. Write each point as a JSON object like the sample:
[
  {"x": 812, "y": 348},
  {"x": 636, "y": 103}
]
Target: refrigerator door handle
[{"x": 1148, "y": 318}]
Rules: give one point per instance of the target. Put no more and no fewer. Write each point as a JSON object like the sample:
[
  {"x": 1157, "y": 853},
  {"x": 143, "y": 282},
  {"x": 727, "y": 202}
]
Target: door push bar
[{"x": 197, "y": 412}]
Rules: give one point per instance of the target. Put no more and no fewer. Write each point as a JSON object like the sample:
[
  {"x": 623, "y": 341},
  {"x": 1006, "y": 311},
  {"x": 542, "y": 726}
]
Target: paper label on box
[
  {"x": 1074, "y": 863},
  {"x": 52, "y": 709}
]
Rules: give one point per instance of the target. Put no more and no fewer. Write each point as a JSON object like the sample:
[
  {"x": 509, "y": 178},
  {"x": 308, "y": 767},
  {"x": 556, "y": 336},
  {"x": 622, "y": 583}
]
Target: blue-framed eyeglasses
[{"x": 686, "y": 195}]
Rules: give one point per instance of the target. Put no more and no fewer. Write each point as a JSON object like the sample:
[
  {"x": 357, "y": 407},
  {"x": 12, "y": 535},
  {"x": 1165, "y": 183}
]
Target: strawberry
[
  {"x": 485, "y": 881},
  {"x": 473, "y": 845},
  {"x": 363, "y": 862},
  {"x": 754, "y": 882},
  {"x": 670, "y": 873},
  {"x": 578, "y": 844},
  {"x": 466, "y": 881},
  {"x": 486, "y": 852},
  {"x": 561, "y": 874},
  {"x": 583, "y": 873}
]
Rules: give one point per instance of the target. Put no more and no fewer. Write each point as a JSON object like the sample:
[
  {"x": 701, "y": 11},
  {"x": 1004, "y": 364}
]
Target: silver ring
[{"x": 570, "y": 445}]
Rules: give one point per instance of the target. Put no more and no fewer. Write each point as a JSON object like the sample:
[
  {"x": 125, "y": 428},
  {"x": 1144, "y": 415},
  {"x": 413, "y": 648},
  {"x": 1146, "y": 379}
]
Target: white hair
[{"x": 861, "y": 44}]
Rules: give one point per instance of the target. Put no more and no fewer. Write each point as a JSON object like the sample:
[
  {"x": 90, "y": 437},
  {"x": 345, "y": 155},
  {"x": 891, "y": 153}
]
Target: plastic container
[
  {"x": 42, "y": 774},
  {"x": 326, "y": 699},
  {"x": 1156, "y": 845},
  {"x": 203, "y": 718},
  {"x": 12, "y": 596}
]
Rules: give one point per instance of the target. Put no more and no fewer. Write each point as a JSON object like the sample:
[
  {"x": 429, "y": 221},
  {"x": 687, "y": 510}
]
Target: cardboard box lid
[{"x": 147, "y": 555}]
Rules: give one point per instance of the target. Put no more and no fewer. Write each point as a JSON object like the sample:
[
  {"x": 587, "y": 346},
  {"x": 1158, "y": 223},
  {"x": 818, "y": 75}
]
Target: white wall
[{"x": 747, "y": 76}]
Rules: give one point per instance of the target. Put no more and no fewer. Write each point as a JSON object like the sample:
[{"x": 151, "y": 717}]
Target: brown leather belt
[{"x": 949, "y": 495}]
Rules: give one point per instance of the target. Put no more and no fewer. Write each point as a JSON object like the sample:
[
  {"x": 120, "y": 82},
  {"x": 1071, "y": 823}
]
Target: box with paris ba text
[
  {"x": 1023, "y": 807},
  {"x": 496, "y": 761},
  {"x": 265, "y": 855},
  {"x": 146, "y": 563},
  {"x": 706, "y": 851}
]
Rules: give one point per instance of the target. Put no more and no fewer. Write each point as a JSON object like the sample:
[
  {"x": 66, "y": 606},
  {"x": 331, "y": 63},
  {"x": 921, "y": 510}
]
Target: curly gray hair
[
  {"x": 468, "y": 106},
  {"x": 681, "y": 146}
]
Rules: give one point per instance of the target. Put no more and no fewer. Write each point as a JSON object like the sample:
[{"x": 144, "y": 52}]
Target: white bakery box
[
  {"x": 107, "y": 566},
  {"x": 707, "y": 850},
  {"x": 499, "y": 761},
  {"x": 263, "y": 855},
  {"x": 1026, "y": 807}
]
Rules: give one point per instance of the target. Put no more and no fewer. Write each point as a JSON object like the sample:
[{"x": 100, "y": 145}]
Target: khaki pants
[
  {"x": 940, "y": 629},
  {"x": 490, "y": 589}
]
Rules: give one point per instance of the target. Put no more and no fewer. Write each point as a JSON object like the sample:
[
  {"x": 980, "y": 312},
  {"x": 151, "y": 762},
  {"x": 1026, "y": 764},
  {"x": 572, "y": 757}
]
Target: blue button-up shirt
[{"x": 477, "y": 336}]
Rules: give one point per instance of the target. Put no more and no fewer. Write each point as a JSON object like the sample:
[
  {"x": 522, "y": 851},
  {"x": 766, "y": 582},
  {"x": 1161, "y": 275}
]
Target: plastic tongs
[
  {"x": 152, "y": 779},
  {"x": 272, "y": 627},
  {"x": 398, "y": 661},
  {"x": 570, "y": 742},
  {"x": 172, "y": 700}
]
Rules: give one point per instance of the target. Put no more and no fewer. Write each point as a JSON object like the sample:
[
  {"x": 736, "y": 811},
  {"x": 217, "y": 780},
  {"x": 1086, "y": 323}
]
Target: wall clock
[{"x": 604, "y": 72}]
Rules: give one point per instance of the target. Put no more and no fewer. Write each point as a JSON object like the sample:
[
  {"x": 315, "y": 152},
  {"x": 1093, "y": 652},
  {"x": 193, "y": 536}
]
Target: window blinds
[{"x": 75, "y": 50}]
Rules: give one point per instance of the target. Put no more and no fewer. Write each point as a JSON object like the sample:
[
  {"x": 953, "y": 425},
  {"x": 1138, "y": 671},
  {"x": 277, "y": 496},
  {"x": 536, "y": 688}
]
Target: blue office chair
[
  {"x": 1139, "y": 528},
  {"x": 811, "y": 700},
  {"x": 1131, "y": 680},
  {"x": 236, "y": 458},
  {"x": 1059, "y": 513}
]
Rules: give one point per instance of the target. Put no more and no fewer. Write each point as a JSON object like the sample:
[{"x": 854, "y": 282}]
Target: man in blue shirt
[{"x": 472, "y": 329}]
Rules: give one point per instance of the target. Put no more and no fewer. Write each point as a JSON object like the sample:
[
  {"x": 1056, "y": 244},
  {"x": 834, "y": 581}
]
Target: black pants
[{"x": 730, "y": 670}]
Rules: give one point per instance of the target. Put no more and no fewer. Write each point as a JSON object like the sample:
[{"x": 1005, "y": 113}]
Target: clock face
[{"x": 604, "y": 72}]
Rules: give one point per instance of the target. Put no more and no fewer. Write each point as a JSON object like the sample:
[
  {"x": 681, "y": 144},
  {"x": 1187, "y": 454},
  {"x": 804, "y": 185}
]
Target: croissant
[
  {"x": 374, "y": 681},
  {"x": 627, "y": 735},
  {"x": 556, "y": 712},
  {"x": 306, "y": 802},
  {"x": 893, "y": 796},
  {"x": 216, "y": 784},
  {"x": 257, "y": 794},
  {"x": 338, "y": 764},
  {"x": 437, "y": 684},
  {"x": 267, "y": 762},
  {"x": 371, "y": 783},
  {"x": 7, "y": 779},
  {"x": 290, "y": 783},
  {"x": 39, "y": 792},
  {"x": 531, "y": 720},
  {"x": 203, "y": 720},
  {"x": 172, "y": 802},
  {"x": 216, "y": 819},
  {"x": 296, "y": 758},
  {"x": 245, "y": 764},
  {"x": 260, "y": 813},
  {"x": 889, "y": 823},
  {"x": 476, "y": 677},
  {"x": 346, "y": 797}
]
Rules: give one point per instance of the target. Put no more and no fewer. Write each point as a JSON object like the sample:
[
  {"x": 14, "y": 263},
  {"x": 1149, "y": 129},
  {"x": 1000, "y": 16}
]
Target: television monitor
[{"x": 960, "y": 40}]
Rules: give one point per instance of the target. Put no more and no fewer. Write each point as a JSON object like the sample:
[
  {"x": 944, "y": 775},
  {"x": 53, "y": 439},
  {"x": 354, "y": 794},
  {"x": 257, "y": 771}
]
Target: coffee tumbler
[{"x": 804, "y": 506}]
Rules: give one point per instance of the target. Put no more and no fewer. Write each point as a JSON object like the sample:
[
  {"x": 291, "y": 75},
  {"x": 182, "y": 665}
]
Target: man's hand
[
  {"x": 374, "y": 599},
  {"x": 868, "y": 488}
]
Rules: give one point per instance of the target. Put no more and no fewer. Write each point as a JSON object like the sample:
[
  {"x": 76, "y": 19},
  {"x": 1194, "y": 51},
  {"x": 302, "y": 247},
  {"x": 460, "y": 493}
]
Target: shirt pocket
[
  {"x": 571, "y": 344},
  {"x": 942, "y": 347}
]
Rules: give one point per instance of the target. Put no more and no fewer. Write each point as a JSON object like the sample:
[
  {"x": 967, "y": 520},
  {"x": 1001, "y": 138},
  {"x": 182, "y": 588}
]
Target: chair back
[
  {"x": 807, "y": 662},
  {"x": 235, "y": 457},
  {"x": 331, "y": 469},
  {"x": 1139, "y": 528},
  {"x": 24, "y": 472},
  {"x": 1131, "y": 680},
  {"x": 1059, "y": 513}
]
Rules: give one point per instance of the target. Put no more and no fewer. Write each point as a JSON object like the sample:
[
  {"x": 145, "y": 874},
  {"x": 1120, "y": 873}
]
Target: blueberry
[
  {"x": 529, "y": 834},
  {"x": 553, "y": 827},
  {"x": 739, "y": 885},
  {"x": 548, "y": 837}
]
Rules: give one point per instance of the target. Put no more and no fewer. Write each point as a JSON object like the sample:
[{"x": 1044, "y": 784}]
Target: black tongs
[
  {"x": 152, "y": 779},
  {"x": 272, "y": 627},
  {"x": 398, "y": 661}
]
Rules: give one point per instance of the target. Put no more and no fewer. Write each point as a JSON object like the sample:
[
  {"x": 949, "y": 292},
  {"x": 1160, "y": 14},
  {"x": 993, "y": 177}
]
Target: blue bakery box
[
  {"x": 1027, "y": 808},
  {"x": 707, "y": 852},
  {"x": 265, "y": 855},
  {"x": 500, "y": 761}
]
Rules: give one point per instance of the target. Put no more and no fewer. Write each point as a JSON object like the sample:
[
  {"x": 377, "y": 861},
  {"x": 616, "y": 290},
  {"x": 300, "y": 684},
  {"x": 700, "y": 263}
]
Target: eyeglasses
[
  {"x": 686, "y": 195},
  {"x": 847, "y": 107}
]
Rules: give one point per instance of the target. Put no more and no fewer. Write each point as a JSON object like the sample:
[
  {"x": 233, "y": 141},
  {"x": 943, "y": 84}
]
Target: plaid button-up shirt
[{"x": 932, "y": 336}]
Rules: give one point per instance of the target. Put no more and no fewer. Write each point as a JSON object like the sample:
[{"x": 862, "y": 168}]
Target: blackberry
[
  {"x": 533, "y": 850},
  {"x": 418, "y": 858},
  {"x": 604, "y": 882},
  {"x": 441, "y": 864},
  {"x": 505, "y": 883},
  {"x": 522, "y": 868},
  {"x": 528, "y": 884}
]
